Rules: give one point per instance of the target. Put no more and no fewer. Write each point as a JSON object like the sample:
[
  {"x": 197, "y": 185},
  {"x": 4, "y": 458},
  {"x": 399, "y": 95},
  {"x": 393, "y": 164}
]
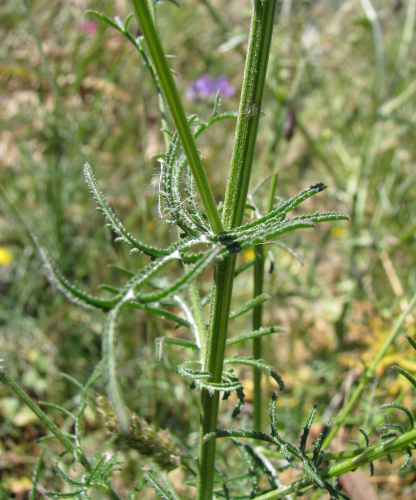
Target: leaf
[
  {"x": 187, "y": 277},
  {"x": 259, "y": 364},
  {"x": 158, "y": 311},
  {"x": 161, "y": 341},
  {"x": 272, "y": 414},
  {"x": 251, "y": 304},
  {"x": 36, "y": 475},
  {"x": 70, "y": 291},
  {"x": 406, "y": 374},
  {"x": 74, "y": 494},
  {"x": 244, "y": 266},
  {"x": 110, "y": 368},
  {"x": 318, "y": 451},
  {"x": 411, "y": 341},
  {"x": 113, "y": 222},
  {"x": 256, "y": 334},
  {"x": 401, "y": 407},
  {"x": 306, "y": 429},
  {"x": 160, "y": 490},
  {"x": 58, "y": 408}
]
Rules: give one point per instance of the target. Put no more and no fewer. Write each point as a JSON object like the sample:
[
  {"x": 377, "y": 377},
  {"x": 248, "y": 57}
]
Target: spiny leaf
[
  {"x": 238, "y": 433},
  {"x": 66, "y": 478},
  {"x": 160, "y": 490},
  {"x": 36, "y": 475},
  {"x": 114, "y": 223},
  {"x": 110, "y": 368},
  {"x": 406, "y": 374},
  {"x": 161, "y": 341},
  {"x": 367, "y": 439},
  {"x": 318, "y": 451},
  {"x": 244, "y": 266},
  {"x": 252, "y": 472},
  {"x": 407, "y": 459},
  {"x": 306, "y": 429},
  {"x": 401, "y": 407},
  {"x": 251, "y": 304},
  {"x": 259, "y": 364},
  {"x": 58, "y": 408},
  {"x": 70, "y": 291},
  {"x": 272, "y": 414},
  {"x": 187, "y": 277},
  {"x": 256, "y": 334},
  {"x": 212, "y": 387},
  {"x": 74, "y": 494},
  {"x": 411, "y": 341},
  {"x": 158, "y": 311}
]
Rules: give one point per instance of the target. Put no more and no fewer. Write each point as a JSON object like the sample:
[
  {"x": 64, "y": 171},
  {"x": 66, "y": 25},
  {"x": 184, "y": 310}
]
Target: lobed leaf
[{"x": 113, "y": 222}]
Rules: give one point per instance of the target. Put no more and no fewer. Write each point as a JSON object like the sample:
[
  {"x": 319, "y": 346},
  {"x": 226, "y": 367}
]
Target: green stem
[
  {"x": 69, "y": 445},
  {"x": 258, "y": 276},
  {"x": 171, "y": 94},
  {"x": 235, "y": 200},
  {"x": 370, "y": 372},
  {"x": 370, "y": 454}
]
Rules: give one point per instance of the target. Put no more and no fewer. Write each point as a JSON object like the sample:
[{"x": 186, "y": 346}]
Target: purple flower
[
  {"x": 206, "y": 86},
  {"x": 88, "y": 27}
]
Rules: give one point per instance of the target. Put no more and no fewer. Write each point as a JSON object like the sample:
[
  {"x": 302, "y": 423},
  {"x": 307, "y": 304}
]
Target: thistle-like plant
[{"x": 205, "y": 239}]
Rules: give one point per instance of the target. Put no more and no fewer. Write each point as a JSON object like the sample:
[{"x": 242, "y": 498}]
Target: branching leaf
[
  {"x": 113, "y": 222},
  {"x": 401, "y": 407}
]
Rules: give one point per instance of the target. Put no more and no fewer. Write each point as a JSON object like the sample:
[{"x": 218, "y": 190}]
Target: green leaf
[
  {"x": 58, "y": 408},
  {"x": 113, "y": 222},
  {"x": 166, "y": 494},
  {"x": 36, "y": 475},
  {"x": 406, "y": 374},
  {"x": 70, "y": 291},
  {"x": 307, "y": 429},
  {"x": 251, "y": 304},
  {"x": 182, "y": 282},
  {"x": 272, "y": 414},
  {"x": 110, "y": 368},
  {"x": 161, "y": 341},
  {"x": 259, "y": 364},
  {"x": 401, "y": 407},
  {"x": 256, "y": 334}
]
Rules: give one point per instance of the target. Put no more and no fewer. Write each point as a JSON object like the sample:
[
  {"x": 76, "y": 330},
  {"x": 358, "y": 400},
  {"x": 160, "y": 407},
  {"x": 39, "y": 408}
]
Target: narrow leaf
[
  {"x": 259, "y": 364},
  {"x": 161, "y": 341},
  {"x": 401, "y": 407},
  {"x": 256, "y": 334},
  {"x": 160, "y": 490},
  {"x": 249, "y": 305},
  {"x": 110, "y": 368},
  {"x": 36, "y": 475},
  {"x": 306, "y": 429}
]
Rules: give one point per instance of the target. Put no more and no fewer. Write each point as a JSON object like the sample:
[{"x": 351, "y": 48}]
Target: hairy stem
[
  {"x": 258, "y": 275},
  {"x": 235, "y": 200},
  {"x": 170, "y": 92},
  {"x": 370, "y": 454}
]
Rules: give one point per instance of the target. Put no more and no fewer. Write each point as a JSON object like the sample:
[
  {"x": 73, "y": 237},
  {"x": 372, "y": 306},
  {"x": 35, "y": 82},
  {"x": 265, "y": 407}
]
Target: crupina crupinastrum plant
[{"x": 208, "y": 237}]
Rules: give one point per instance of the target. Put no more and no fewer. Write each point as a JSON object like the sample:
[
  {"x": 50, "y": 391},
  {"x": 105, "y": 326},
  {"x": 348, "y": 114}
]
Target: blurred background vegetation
[{"x": 73, "y": 90}]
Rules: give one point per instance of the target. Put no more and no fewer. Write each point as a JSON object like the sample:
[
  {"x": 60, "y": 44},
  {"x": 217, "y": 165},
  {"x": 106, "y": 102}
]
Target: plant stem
[
  {"x": 171, "y": 94},
  {"x": 370, "y": 372},
  {"x": 258, "y": 275},
  {"x": 370, "y": 454},
  {"x": 235, "y": 200}
]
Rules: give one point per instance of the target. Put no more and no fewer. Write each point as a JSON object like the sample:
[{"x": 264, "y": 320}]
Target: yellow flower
[{"x": 5, "y": 256}]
